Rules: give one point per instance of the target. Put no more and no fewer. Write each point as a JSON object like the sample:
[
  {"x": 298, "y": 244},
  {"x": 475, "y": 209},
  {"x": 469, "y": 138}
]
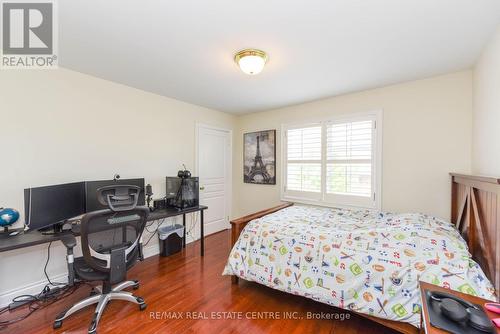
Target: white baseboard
[
  {"x": 151, "y": 250},
  {"x": 30, "y": 289}
]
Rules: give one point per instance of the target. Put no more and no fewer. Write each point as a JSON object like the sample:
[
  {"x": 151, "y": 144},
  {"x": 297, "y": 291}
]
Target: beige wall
[
  {"x": 62, "y": 126},
  {"x": 486, "y": 124},
  {"x": 426, "y": 134}
]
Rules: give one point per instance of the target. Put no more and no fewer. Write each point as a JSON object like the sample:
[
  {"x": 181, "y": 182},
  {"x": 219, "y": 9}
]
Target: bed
[{"x": 371, "y": 262}]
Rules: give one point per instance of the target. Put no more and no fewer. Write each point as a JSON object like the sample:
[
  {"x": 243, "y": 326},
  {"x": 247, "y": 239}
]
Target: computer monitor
[
  {"x": 182, "y": 193},
  {"x": 52, "y": 205},
  {"x": 92, "y": 203}
]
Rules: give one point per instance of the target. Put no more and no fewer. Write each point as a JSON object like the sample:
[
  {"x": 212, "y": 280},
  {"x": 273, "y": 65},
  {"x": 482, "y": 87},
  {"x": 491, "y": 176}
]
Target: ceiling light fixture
[{"x": 251, "y": 61}]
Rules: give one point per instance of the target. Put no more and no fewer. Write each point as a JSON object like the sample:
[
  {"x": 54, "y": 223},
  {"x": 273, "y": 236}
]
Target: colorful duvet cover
[{"x": 366, "y": 261}]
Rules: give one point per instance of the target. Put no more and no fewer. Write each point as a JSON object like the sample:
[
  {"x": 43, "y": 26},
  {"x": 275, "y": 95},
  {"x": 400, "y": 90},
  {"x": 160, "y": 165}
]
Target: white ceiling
[{"x": 184, "y": 48}]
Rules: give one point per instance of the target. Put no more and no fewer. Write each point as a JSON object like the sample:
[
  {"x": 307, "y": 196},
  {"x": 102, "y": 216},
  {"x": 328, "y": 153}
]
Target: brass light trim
[{"x": 250, "y": 52}]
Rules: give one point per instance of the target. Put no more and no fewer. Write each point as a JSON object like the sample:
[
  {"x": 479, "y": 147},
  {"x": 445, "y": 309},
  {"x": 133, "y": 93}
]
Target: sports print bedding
[{"x": 366, "y": 261}]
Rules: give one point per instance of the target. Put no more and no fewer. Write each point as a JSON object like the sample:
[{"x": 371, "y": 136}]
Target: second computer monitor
[
  {"x": 92, "y": 203},
  {"x": 52, "y": 205}
]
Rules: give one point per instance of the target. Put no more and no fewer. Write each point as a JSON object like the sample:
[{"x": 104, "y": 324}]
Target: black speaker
[{"x": 160, "y": 204}]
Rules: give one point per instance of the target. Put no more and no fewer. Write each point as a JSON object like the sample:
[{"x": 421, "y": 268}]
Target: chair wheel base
[
  {"x": 142, "y": 307},
  {"x": 57, "y": 324},
  {"x": 93, "y": 327}
]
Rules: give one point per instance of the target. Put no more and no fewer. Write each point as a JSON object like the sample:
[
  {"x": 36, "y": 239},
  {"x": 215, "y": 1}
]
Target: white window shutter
[
  {"x": 349, "y": 155},
  {"x": 303, "y": 163},
  {"x": 333, "y": 162}
]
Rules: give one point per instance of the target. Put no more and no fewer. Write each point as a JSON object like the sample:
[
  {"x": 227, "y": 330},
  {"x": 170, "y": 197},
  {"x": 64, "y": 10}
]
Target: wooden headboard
[{"x": 475, "y": 211}]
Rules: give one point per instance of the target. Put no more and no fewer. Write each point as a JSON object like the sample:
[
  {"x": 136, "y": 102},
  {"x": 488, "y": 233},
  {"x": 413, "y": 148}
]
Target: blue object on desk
[{"x": 8, "y": 217}]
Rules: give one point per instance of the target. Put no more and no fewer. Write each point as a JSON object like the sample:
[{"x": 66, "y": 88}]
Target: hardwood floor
[{"x": 185, "y": 282}]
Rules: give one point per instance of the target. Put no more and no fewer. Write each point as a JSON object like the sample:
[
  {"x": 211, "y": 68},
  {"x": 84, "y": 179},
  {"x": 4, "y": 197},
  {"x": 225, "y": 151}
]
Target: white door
[{"x": 214, "y": 170}]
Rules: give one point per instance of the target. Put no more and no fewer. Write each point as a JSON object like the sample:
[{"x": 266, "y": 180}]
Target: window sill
[{"x": 307, "y": 201}]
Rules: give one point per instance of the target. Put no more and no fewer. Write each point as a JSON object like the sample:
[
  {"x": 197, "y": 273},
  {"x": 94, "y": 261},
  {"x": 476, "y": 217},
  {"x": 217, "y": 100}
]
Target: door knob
[{"x": 202, "y": 188}]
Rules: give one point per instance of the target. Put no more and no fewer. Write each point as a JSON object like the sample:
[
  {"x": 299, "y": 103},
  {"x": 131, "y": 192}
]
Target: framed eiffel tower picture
[{"x": 259, "y": 154}]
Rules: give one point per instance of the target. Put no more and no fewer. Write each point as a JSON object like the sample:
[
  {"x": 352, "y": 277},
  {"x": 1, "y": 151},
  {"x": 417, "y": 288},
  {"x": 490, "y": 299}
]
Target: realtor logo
[{"x": 28, "y": 35}]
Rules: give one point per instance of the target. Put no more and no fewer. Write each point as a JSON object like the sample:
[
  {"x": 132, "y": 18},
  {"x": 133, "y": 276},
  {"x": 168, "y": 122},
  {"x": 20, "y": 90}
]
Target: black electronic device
[
  {"x": 51, "y": 206},
  {"x": 456, "y": 315},
  {"x": 149, "y": 196},
  {"x": 92, "y": 197},
  {"x": 184, "y": 174},
  {"x": 182, "y": 192},
  {"x": 160, "y": 204}
]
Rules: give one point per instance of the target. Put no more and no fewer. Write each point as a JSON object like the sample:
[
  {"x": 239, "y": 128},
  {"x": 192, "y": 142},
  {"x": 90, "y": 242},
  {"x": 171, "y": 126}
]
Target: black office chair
[{"x": 110, "y": 246}]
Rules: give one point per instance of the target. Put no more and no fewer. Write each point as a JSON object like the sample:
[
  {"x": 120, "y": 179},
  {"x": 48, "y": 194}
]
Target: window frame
[{"x": 336, "y": 200}]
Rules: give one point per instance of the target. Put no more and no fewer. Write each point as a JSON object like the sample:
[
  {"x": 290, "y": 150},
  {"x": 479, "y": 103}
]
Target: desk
[{"x": 32, "y": 238}]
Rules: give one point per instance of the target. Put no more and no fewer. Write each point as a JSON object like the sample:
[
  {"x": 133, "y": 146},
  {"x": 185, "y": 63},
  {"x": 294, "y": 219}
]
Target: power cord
[
  {"x": 193, "y": 222},
  {"x": 153, "y": 233},
  {"x": 45, "y": 269},
  {"x": 45, "y": 298},
  {"x": 37, "y": 302}
]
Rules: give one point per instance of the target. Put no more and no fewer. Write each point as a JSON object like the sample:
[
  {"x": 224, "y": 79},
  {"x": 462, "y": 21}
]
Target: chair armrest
[{"x": 68, "y": 240}]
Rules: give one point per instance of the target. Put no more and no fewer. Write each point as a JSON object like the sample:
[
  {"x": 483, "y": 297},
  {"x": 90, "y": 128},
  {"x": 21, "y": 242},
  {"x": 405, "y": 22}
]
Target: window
[
  {"x": 334, "y": 162},
  {"x": 304, "y": 159}
]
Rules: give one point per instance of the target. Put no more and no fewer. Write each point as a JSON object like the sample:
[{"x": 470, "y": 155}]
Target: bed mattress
[{"x": 365, "y": 261}]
